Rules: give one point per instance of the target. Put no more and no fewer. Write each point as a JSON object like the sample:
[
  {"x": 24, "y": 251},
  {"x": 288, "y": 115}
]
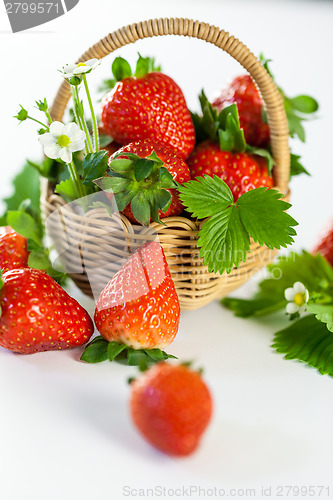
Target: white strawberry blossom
[
  {"x": 86, "y": 67},
  {"x": 62, "y": 141},
  {"x": 297, "y": 297}
]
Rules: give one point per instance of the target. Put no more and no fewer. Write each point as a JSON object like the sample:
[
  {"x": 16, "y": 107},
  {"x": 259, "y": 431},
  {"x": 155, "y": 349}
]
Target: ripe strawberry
[
  {"x": 244, "y": 93},
  {"x": 240, "y": 171},
  {"x": 171, "y": 406},
  {"x": 13, "y": 249},
  {"x": 38, "y": 315},
  {"x": 148, "y": 191},
  {"x": 139, "y": 306},
  {"x": 148, "y": 105},
  {"x": 325, "y": 246}
]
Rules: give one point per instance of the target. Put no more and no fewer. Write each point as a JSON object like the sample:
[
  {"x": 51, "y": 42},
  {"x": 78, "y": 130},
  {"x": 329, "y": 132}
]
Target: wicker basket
[{"x": 101, "y": 239}]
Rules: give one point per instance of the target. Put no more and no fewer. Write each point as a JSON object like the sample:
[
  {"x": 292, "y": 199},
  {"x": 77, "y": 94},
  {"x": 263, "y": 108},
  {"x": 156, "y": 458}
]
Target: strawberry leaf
[
  {"x": 264, "y": 217},
  {"x": 307, "y": 340},
  {"x": 66, "y": 189},
  {"x": 323, "y": 312},
  {"x": 141, "y": 209},
  {"x": 296, "y": 167},
  {"x": 24, "y": 224},
  {"x": 225, "y": 237},
  {"x": 143, "y": 168},
  {"x": 96, "y": 351},
  {"x": 145, "y": 65},
  {"x": 114, "y": 349},
  {"x": 94, "y": 166},
  {"x": 205, "y": 196}
]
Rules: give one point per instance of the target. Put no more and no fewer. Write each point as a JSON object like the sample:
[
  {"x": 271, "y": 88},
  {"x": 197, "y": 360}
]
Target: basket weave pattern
[{"x": 195, "y": 285}]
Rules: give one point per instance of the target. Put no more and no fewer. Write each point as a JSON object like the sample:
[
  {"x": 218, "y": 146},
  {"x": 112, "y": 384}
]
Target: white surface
[{"x": 65, "y": 430}]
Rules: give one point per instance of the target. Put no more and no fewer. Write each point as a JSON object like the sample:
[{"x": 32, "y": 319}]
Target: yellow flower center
[
  {"x": 300, "y": 299},
  {"x": 63, "y": 141},
  {"x": 81, "y": 64}
]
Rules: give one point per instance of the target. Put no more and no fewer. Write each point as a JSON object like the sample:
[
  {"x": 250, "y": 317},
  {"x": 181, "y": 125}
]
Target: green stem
[
  {"x": 93, "y": 116},
  {"x": 76, "y": 179},
  {"x": 40, "y": 123},
  {"x": 48, "y": 116},
  {"x": 79, "y": 116}
]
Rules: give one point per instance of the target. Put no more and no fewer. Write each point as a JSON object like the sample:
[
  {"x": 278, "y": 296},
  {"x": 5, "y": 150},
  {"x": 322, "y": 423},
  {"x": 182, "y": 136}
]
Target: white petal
[
  {"x": 289, "y": 293},
  {"x": 306, "y": 295},
  {"x": 70, "y": 129},
  {"x": 65, "y": 155},
  {"x": 52, "y": 151},
  {"x": 76, "y": 145},
  {"x": 93, "y": 62},
  {"x": 302, "y": 309},
  {"x": 69, "y": 68},
  {"x": 56, "y": 128},
  {"x": 81, "y": 69},
  {"x": 299, "y": 287},
  {"x": 79, "y": 135},
  {"x": 292, "y": 308},
  {"x": 47, "y": 139}
]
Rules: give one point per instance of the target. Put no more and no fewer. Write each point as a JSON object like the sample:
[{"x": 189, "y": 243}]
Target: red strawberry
[
  {"x": 240, "y": 171},
  {"x": 171, "y": 406},
  {"x": 244, "y": 93},
  {"x": 13, "y": 249},
  {"x": 38, "y": 315},
  {"x": 325, "y": 246},
  {"x": 139, "y": 306},
  {"x": 150, "y": 188},
  {"x": 149, "y": 106}
]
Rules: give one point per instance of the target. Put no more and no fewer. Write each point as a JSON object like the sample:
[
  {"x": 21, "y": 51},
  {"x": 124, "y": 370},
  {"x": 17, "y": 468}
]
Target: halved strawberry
[{"x": 139, "y": 307}]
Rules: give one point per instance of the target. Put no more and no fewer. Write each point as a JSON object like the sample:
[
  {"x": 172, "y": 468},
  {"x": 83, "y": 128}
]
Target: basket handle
[{"x": 276, "y": 116}]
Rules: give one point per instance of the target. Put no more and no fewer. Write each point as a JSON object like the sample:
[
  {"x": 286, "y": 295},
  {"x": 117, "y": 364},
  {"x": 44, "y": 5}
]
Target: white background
[{"x": 65, "y": 430}]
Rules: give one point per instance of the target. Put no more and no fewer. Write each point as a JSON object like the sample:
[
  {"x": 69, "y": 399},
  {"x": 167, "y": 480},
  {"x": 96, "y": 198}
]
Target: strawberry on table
[
  {"x": 38, "y": 315},
  {"x": 139, "y": 306},
  {"x": 145, "y": 183},
  {"x": 171, "y": 406},
  {"x": 13, "y": 249},
  {"x": 223, "y": 151},
  {"x": 148, "y": 105}
]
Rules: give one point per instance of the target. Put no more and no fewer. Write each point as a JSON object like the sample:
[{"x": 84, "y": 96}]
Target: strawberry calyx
[
  {"x": 99, "y": 350},
  {"x": 121, "y": 69},
  {"x": 141, "y": 182},
  {"x": 224, "y": 128}
]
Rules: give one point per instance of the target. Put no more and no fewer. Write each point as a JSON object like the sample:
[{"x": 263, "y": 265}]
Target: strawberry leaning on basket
[
  {"x": 36, "y": 314},
  {"x": 147, "y": 105},
  {"x": 221, "y": 150},
  {"x": 137, "y": 313},
  {"x": 143, "y": 177}
]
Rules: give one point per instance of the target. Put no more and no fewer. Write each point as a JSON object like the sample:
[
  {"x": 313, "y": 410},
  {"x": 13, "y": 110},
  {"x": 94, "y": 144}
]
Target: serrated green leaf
[
  {"x": 143, "y": 168},
  {"x": 304, "y": 104},
  {"x": 223, "y": 241},
  {"x": 114, "y": 349},
  {"x": 94, "y": 166},
  {"x": 323, "y": 312},
  {"x": 205, "y": 196},
  {"x": 307, "y": 340},
  {"x": 263, "y": 215},
  {"x": 66, "y": 189},
  {"x": 121, "y": 69},
  {"x": 26, "y": 185},
  {"x": 24, "y": 224},
  {"x": 296, "y": 167},
  {"x": 96, "y": 351}
]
